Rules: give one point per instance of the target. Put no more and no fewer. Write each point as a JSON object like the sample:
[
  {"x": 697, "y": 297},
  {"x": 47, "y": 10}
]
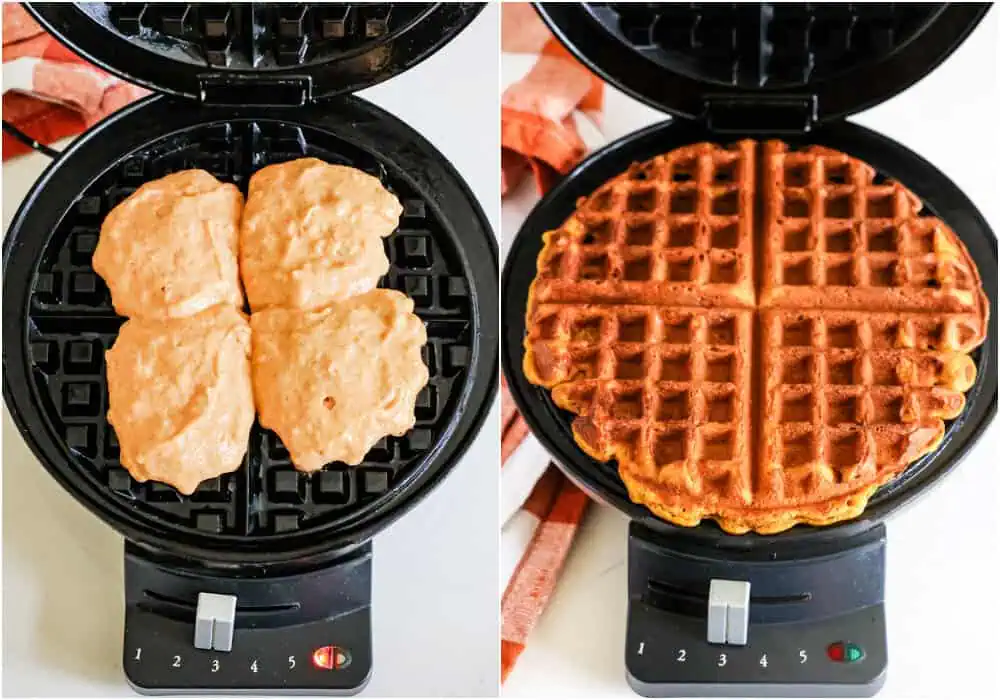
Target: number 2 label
[
  {"x": 682, "y": 655},
  {"x": 176, "y": 663}
]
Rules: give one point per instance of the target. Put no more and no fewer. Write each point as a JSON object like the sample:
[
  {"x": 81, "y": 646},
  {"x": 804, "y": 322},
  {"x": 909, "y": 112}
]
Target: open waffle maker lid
[
  {"x": 720, "y": 73},
  {"x": 761, "y": 66},
  {"x": 59, "y": 322},
  {"x": 255, "y": 53}
]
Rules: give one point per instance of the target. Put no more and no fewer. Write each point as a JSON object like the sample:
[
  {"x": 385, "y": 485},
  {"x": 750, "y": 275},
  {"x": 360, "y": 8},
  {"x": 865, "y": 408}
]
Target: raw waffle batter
[
  {"x": 180, "y": 396},
  {"x": 312, "y": 234},
  {"x": 169, "y": 250},
  {"x": 332, "y": 382}
]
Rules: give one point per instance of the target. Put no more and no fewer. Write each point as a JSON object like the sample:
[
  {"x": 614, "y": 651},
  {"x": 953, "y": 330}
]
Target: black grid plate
[
  {"x": 765, "y": 44},
  {"x": 278, "y": 54},
  {"x": 257, "y": 35},
  {"x": 552, "y": 425},
  {"x": 69, "y": 324},
  {"x": 755, "y": 63}
]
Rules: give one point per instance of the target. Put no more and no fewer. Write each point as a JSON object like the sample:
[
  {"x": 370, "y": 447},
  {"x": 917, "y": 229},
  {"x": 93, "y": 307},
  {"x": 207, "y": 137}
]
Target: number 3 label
[{"x": 722, "y": 660}]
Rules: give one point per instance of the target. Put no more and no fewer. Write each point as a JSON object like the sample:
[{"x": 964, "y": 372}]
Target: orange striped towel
[
  {"x": 543, "y": 529},
  {"x": 537, "y": 132},
  {"x": 541, "y": 508},
  {"x": 48, "y": 91}
]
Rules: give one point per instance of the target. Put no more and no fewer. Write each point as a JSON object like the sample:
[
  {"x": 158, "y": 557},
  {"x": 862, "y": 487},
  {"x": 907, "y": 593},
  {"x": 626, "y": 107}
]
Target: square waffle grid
[
  {"x": 837, "y": 233},
  {"x": 675, "y": 229},
  {"x": 832, "y": 366},
  {"x": 665, "y": 387},
  {"x": 245, "y": 35},
  {"x": 73, "y": 323},
  {"x": 834, "y": 392},
  {"x": 764, "y": 44}
]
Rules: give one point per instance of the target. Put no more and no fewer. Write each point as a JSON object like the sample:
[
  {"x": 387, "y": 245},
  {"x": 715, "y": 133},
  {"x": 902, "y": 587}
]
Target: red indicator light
[
  {"x": 331, "y": 658},
  {"x": 836, "y": 651},
  {"x": 323, "y": 658}
]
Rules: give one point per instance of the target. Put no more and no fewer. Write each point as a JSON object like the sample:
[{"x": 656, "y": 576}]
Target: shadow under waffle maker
[
  {"x": 260, "y": 581},
  {"x": 800, "y": 613}
]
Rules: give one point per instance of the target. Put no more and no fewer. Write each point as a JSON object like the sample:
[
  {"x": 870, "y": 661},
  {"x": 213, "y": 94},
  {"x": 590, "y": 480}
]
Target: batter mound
[
  {"x": 331, "y": 383},
  {"x": 312, "y": 234},
  {"x": 180, "y": 396},
  {"x": 170, "y": 249}
]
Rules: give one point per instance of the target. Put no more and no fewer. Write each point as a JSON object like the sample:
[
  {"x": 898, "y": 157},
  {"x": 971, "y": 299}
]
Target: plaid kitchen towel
[
  {"x": 541, "y": 533},
  {"x": 48, "y": 91},
  {"x": 540, "y": 508},
  {"x": 537, "y": 132}
]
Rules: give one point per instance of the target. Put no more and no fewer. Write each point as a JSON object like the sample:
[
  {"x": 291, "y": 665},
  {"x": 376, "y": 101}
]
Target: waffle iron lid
[
  {"x": 761, "y": 66},
  {"x": 260, "y": 54}
]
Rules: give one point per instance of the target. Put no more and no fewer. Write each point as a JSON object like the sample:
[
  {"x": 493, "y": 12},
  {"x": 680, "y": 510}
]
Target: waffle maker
[
  {"x": 268, "y": 567},
  {"x": 813, "y": 612}
]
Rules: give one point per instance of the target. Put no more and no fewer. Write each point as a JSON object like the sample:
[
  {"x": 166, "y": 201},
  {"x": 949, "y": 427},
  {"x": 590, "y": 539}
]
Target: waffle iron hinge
[
  {"x": 779, "y": 114},
  {"x": 231, "y": 91}
]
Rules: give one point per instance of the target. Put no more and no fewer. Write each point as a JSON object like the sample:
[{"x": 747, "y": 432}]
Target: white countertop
[
  {"x": 943, "y": 553},
  {"x": 435, "y": 573}
]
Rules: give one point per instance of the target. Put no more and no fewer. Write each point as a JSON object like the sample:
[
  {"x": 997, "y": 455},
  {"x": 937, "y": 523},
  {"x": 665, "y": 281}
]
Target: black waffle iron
[
  {"x": 814, "y": 615},
  {"x": 246, "y": 86}
]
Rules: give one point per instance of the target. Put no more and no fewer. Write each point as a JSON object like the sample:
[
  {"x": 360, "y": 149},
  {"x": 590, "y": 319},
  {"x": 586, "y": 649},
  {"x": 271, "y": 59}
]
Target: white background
[
  {"x": 435, "y": 598},
  {"x": 943, "y": 551}
]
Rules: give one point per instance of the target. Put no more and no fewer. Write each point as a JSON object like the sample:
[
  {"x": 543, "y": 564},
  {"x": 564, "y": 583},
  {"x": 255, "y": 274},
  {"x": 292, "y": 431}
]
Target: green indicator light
[{"x": 853, "y": 653}]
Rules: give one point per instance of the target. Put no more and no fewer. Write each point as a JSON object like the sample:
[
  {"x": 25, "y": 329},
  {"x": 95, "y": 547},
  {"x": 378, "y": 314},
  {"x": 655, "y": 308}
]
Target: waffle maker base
[
  {"x": 811, "y": 589},
  {"x": 294, "y": 549}
]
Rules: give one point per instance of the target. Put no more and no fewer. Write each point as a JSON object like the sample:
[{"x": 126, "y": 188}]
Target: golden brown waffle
[
  {"x": 664, "y": 391},
  {"x": 676, "y": 229},
  {"x": 795, "y": 412},
  {"x": 835, "y": 239},
  {"x": 849, "y": 400}
]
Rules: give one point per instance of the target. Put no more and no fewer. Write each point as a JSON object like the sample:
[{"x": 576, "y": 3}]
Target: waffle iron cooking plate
[
  {"x": 266, "y": 519},
  {"x": 755, "y": 71}
]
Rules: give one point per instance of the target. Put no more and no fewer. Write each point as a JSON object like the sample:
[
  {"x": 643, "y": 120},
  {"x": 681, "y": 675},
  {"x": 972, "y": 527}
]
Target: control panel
[
  {"x": 669, "y": 655},
  {"x": 760, "y": 620},
  {"x": 325, "y": 656},
  {"x": 199, "y": 632}
]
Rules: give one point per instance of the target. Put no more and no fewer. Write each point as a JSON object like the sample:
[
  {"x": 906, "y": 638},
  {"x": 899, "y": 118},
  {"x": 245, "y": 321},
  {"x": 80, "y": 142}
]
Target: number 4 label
[{"x": 763, "y": 661}]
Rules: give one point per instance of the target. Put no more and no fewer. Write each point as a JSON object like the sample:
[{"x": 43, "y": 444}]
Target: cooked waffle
[
  {"x": 676, "y": 229},
  {"x": 834, "y": 238},
  {"x": 664, "y": 391},
  {"x": 847, "y": 382}
]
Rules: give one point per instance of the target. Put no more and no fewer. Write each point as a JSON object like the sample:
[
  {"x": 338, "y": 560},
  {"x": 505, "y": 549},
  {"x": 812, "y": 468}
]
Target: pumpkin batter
[
  {"x": 180, "y": 396},
  {"x": 312, "y": 234},
  {"x": 331, "y": 383},
  {"x": 170, "y": 249}
]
